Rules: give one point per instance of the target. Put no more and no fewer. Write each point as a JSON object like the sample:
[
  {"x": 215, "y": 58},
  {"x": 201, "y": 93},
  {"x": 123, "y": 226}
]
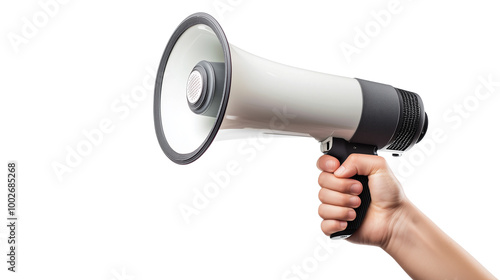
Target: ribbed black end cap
[{"x": 410, "y": 119}]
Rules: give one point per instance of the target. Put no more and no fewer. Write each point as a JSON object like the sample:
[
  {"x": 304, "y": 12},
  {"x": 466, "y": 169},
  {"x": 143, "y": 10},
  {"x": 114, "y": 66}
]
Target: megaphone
[{"x": 204, "y": 85}]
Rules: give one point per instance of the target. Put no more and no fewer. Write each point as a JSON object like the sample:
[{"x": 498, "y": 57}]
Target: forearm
[{"x": 425, "y": 252}]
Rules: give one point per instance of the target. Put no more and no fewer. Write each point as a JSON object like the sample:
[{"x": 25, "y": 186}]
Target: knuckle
[
  {"x": 382, "y": 162},
  {"x": 325, "y": 227},
  {"x": 322, "y": 179},
  {"x": 322, "y": 211},
  {"x": 346, "y": 200},
  {"x": 346, "y": 187},
  {"x": 322, "y": 195},
  {"x": 354, "y": 158},
  {"x": 346, "y": 213}
]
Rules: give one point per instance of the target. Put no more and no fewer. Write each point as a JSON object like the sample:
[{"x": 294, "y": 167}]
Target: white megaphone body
[{"x": 204, "y": 85}]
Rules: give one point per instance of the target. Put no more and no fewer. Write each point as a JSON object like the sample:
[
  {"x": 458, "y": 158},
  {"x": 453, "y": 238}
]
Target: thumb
[{"x": 360, "y": 164}]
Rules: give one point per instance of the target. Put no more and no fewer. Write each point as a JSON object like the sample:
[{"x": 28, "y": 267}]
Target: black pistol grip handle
[{"x": 341, "y": 149}]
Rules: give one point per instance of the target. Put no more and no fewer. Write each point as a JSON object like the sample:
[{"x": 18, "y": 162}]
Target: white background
[{"x": 116, "y": 214}]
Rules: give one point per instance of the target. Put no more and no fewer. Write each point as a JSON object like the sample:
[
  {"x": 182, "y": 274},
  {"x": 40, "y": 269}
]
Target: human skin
[{"x": 392, "y": 222}]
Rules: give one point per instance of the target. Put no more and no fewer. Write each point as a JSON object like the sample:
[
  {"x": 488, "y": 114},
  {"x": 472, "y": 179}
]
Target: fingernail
[
  {"x": 351, "y": 215},
  {"x": 354, "y": 201},
  {"x": 329, "y": 165},
  {"x": 356, "y": 189},
  {"x": 343, "y": 225},
  {"x": 340, "y": 170}
]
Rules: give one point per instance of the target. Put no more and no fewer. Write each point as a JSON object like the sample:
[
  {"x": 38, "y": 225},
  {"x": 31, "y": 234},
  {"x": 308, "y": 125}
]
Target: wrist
[
  {"x": 424, "y": 251},
  {"x": 402, "y": 223}
]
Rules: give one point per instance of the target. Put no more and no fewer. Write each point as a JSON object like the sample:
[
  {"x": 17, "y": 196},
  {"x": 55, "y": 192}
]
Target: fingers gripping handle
[
  {"x": 366, "y": 199},
  {"x": 341, "y": 149}
]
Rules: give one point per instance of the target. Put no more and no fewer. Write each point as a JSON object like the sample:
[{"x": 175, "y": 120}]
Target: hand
[
  {"x": 391, "y": 222},
  {"x": 339, "y": 197}
]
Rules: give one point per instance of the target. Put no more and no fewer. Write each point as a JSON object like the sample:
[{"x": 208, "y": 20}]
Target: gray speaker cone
[{"x": 184, "y": 135}]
